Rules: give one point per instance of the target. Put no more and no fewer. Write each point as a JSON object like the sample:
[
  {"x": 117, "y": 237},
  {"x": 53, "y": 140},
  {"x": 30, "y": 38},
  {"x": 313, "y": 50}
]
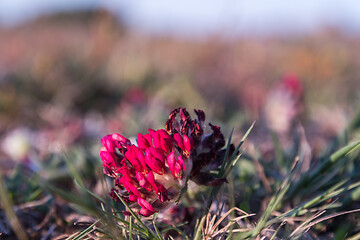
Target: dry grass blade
[
  {"x": 298, "y": 229},
  {"x": 210, "y": 230},
  {"x": 233, "y": 221},
  {"x": 228, "y": 212},
  {"x": 261, "y": 172},
  {"x": 33, "y": 203},
  {"x": 303, "y": 228},
  {"x": 211, "y": 224},
  {"x": 290, "y": 220},
  {"x": 355, "y": 237},
  {"x": 277, "y": 230}
]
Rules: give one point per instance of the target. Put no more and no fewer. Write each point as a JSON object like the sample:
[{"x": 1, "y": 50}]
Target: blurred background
[
  {"x": 71, "y": 72},
  {"x": 74, "y": 71}
]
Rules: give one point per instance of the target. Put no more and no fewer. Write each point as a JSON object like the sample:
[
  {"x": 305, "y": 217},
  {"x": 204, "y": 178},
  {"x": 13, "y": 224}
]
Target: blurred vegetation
[{"x": 68, "y": 79}]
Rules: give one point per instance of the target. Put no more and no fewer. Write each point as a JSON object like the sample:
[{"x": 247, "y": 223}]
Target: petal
[
  {"x": 181, "y": 162},
  {"x": 133, "y": 197},
  {"x": 143, "y": 181},
  {"x": 171, "y": 163},
  {"x": 178, "y": 170},
  {"x": 160, "y": 189},
  {"x": 149, "y": 139},
  {"x": 158, "y": 153},
  {"x": 163, "y": 134},
  {"x": 153, "y": 163},
  {"x": 151, "y": 179},
  {"x": 108, "y": 143},
  {"x": 146, "y": 208},
  {"x": 151, "y": 131},
  {"x": 173, "y": 113},
  {"x": 170, "y": 125},
  {"x": 198, "y": 130},
  {"x": 179, "y": 141},
  {"x": 184, "y": 114},
  {"x": 110, "y": 159},
  {"x": 131, "y": 156},
  {"x": 131, "y": 188},
  {"x": 187, "y": 144},
  {"x": 141, "y": 157},
  {"x": 166, "y": 142},
  {"x": 142, "y": 141},
  {"x": 164, "y": 145},
  {"x": 155, "y": 137},
  {"x": 106, "y": 158},
  {"x": 120, "y": 138},
  {"x": 146, "y": 212}
]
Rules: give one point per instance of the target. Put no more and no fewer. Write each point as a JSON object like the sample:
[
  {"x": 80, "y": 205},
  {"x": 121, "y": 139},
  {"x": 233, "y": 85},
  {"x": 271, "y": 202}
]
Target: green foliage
[
  {"x": 21, "y": 187},
  {"x": 293, "y": 203}
]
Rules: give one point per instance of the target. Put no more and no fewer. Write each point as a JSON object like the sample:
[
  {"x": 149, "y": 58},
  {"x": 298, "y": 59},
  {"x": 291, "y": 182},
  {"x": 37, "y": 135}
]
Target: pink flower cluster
[{"x": 151, "y": 173}]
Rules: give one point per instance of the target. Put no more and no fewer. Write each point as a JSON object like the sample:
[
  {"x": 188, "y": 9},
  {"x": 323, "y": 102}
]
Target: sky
[{"x": 204, "y": 16}]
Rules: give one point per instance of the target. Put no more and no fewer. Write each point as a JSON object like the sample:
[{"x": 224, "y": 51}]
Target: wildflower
[
  {"x": 17, "y": 144},
  {"x": 151, "y": 174},
  {"x": 284, "y": 104}
]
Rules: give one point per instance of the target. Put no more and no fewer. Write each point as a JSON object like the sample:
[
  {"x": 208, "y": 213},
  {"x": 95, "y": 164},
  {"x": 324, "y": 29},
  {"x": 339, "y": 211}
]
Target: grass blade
[
  {"x": 84, "y": 232},
  {"x": 9, "y": 211},
  {"x": 147, "y": 231},
  {"x": 84, "y": 189},
  {"x": 325, "y": 166}
]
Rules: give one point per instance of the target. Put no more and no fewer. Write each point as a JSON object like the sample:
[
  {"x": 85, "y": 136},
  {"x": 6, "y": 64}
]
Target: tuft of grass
[
  {"x": 287, "y": 213},
  {"x": 8, "y": 207}
]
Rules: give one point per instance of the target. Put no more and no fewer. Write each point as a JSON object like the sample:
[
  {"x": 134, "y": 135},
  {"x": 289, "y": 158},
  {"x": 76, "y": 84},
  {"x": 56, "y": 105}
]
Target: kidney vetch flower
[{"x": 150, "y": 175}]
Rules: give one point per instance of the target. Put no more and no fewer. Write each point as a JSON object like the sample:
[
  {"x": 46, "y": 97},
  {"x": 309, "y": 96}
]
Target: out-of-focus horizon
[{"x": 201, "y": 18}]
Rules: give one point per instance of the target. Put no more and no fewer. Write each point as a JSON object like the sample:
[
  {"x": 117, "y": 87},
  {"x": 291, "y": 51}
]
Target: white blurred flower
[
  {"x": 284, "y": 104},
  {"x": 16, "y": 144},
  {"x": 280, "y": 111}
]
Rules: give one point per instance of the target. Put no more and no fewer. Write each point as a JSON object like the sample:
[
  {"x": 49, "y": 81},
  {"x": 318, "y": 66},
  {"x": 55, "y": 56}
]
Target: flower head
[
  {"x": 151, "y": 174},
  {"x": 284, "y": 104}
]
